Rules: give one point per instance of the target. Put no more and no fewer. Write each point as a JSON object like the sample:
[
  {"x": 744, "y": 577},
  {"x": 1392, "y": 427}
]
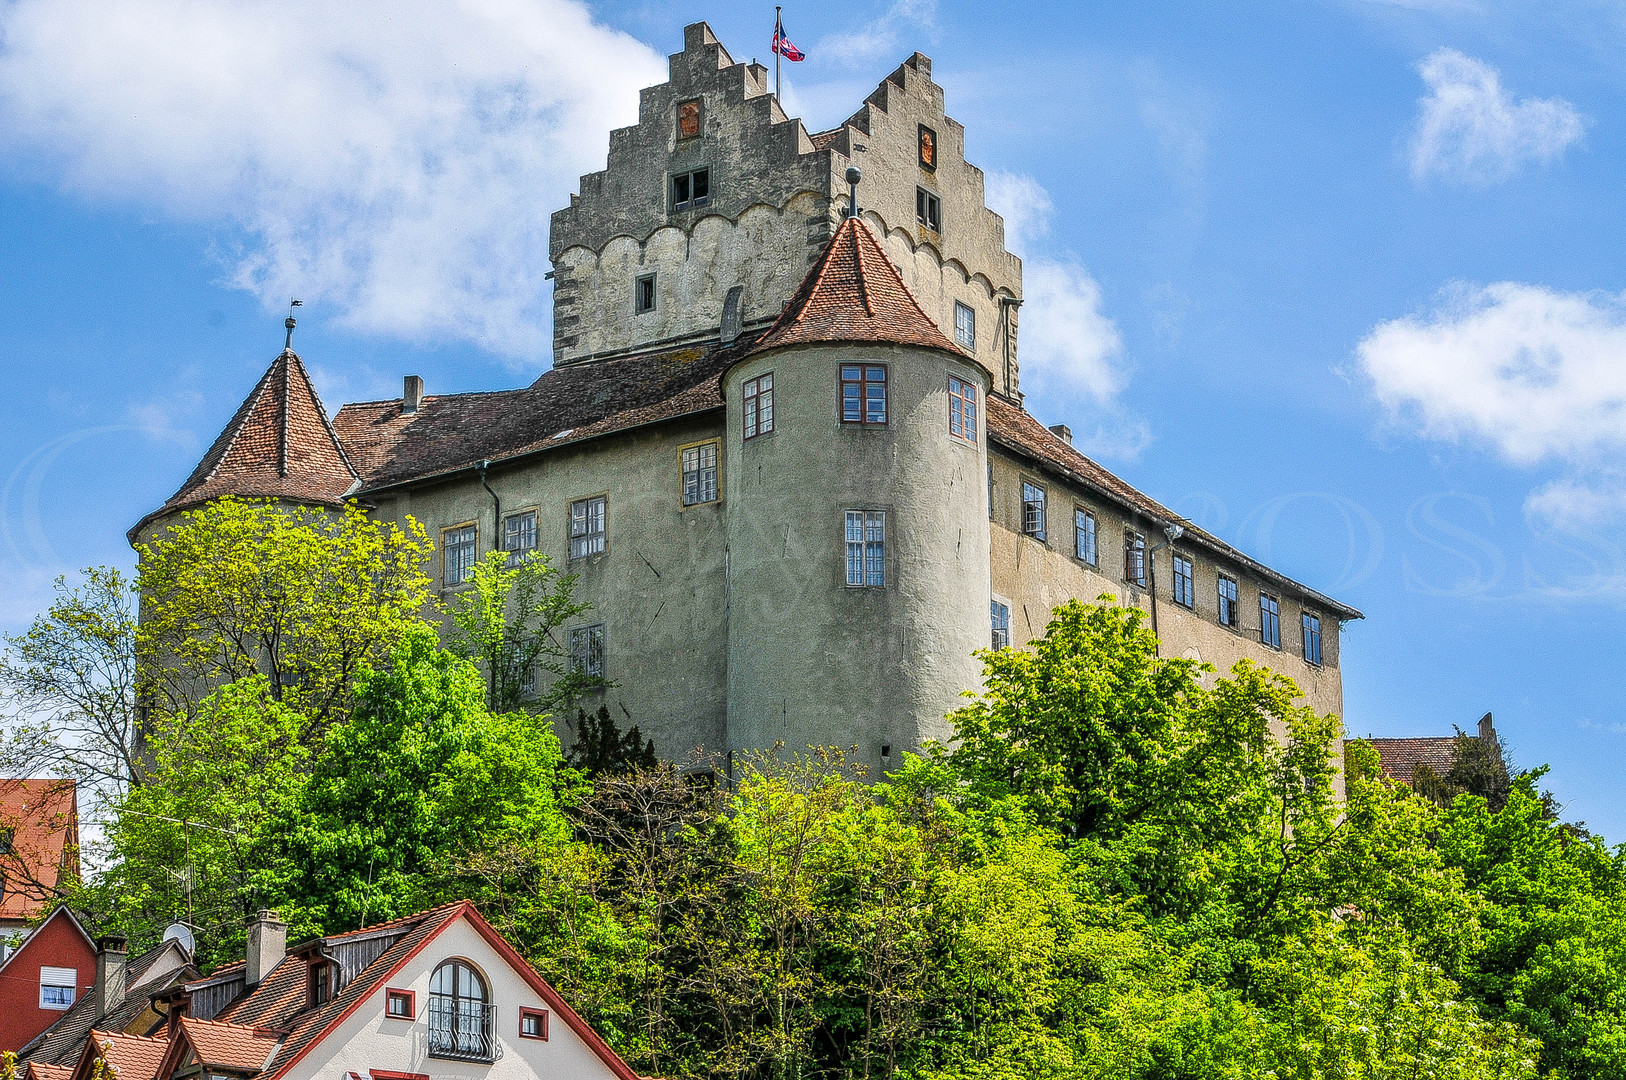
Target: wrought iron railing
[{"x": 462, "y": 1029}]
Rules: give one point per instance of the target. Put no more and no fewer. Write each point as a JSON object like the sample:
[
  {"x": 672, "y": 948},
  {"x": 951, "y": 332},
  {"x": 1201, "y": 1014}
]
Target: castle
[{"x": 784, "y": 449}]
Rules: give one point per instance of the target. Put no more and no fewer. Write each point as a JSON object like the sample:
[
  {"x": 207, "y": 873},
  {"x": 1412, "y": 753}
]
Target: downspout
[
  {"x": 1173, "y": 532},
  {"x": 496, "y": 528}
]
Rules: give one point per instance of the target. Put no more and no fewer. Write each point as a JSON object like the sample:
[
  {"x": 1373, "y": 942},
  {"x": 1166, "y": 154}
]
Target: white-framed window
[
  {"x": 699, "y": 474},
  {"x": 519, "y": 535},
  {"x": 1033, "y": 511},
  {"x": 962, "y": 409},
  {"x": 587, "y": 650},
  {"x": 965, "y": 326},
  {"x": 1134, "y": 557},
  {"x": 1185, "y": 585},
  {"x": 533, "y": 1023},
  {"x": 1270, "y": 621},
  {"x": 457, "y": 548},
  {"x": 1000, "y": 615},
  {"x": 1084, "y": 536},
  {"x": 757, "y": 405},
  {"x": 643, "y": 294},
  {"x": 928, "y": 209},
  {"x": 587, "y": 517},
  {"x": 1228, "y": 613},
  {"x": 866, "y": 548},
  {"x": 58, "y": 987},
  {"x": 1312, "y": 637}
]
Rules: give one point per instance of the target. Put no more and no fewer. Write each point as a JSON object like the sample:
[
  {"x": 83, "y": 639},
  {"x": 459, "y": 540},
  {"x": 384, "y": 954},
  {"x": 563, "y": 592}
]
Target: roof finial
[
  {"x": 853, "y": 176},
  {"x": 288, "y": 345}
]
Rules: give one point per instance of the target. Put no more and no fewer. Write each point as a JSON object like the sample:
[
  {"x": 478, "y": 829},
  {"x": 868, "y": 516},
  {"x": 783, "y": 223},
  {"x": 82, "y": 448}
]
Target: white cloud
[
  {"x": 396, "y": 163},
  {"x": 1579, "y": 504},
  {"x": 879, "y": 37},
  {"x": 1070, "y": 350},
  {"x": 1471, "y": 129},
  {"x": 1535, "y": 373}
]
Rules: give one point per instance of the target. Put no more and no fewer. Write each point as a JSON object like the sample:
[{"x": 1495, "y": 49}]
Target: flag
[{"x": 782, "y": 46}]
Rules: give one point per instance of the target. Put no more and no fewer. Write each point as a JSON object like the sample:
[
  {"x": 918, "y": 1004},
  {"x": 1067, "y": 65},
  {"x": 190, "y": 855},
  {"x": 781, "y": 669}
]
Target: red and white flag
[{"x": 782, "y": 46}]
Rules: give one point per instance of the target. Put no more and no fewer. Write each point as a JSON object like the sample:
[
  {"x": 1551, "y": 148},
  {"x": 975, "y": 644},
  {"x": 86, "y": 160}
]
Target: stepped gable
[
  {"x": 1015, "y": 428},
  {"x": 571, "y": 403},
  {"x": 280, "y": 445},
  {"x": 854, "y": 293}
]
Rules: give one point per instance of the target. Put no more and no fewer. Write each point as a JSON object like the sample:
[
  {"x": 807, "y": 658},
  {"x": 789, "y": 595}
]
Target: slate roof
[
  {"x": 43, "y": 814},
  {"x": 1014, "y": 428},
  {"x": 854, "y": 293},
  {"x": 1399, "y": 758},
  {"x": 279, "y": 445}
]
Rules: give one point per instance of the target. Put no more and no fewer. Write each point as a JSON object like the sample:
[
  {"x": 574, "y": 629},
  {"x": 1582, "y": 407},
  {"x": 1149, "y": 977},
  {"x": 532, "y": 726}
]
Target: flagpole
[{"x": 778, "y": 31}]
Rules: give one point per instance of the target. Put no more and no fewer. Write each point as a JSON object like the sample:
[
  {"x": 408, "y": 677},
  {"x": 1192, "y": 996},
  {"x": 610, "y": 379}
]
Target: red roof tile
[
  {"x": 129, "y": 1057},
  {"x": 43, "y": 817},
  {"x": 279, "y": 445},
  {"x": 238, "y": 1047},
  {"x": 36, "y": 1070},
  {"x": 1399, "y": 758},
  {"x": 1014, "y": 428},
  {"x": 854, "y": 293}
]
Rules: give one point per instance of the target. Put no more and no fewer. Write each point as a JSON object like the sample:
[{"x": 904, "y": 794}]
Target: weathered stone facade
[{"x": 732, "y": 622}]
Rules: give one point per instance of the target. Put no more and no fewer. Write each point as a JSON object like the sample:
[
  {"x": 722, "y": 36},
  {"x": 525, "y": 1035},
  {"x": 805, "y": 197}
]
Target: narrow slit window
[
  {"x": 700, "y": 474},
  {"x": 863, "y": 394},
  {"x": 1000, "y": 615},
  {"x": 866, "y": 548},
  {"x": 587, "y": 520},
  {"x": 1185, "y": 592},
  {"x": 1270, "y": 621},
  {"x": 1228, "y": 614},
  {"x": 1134, "y": 557},
  {"x": 1033, "y": 510},
  {"x": 962, "y": 409},
  {"x": 643, "y": 294},
  {"x": 1084, "y": 536},
  {"x": 757, "y": 405}
]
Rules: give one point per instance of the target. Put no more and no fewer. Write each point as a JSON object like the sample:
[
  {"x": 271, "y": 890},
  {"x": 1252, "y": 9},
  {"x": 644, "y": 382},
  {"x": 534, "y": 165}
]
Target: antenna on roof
[{"x": 288, "y": 345}]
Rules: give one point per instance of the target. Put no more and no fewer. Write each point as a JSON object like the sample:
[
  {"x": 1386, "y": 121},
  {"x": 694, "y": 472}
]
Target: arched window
[{"x": 460, "y": 1013}]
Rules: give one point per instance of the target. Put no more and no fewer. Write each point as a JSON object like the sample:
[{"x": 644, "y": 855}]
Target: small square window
[
  {"x": 1270, "y": 621},
  {"x": 587, "y": 526},
  {"x": 1228, "y": 614},
  {"x": 928, "y": 210},
  {"x": 691, "y": 189},
  {"x": 58, "y": 988},
  {"x": 866, "y": 548},
  {"x": 1185, "y": 588},
  {"x": 962, "y": 409},
  {"x": 1000, "y": 615},
  {"x": 863, "y": 394},
  {"x": 700, "y": 474},
  {"x": 1312, "y": 638},
  {"x": 965, "y": 327},
  {"x": 757, "y": 405},
  {"x": 533, "y": 1024},
  {"x": 519, "y": 535},
  {"x": 587, "y": 650},
  {"x": 643, "y": 294},
  {"x": 1134, "y": 557},
  {"x": 457, "y": 546},
  {"x": 1084, "y": 536},
  {"x": 1033, "y": 510},
  {"x": 400, "y": 1004}
]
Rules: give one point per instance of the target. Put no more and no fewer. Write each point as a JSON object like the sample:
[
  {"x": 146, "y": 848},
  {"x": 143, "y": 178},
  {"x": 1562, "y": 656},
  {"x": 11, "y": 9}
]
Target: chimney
[
  {"x": 267, "y": 940},
  {"x": 111, "y": 952},
  {"x": 412, "y": 395},
  {"x": 1487, "y": 730},
  {"x": 1062, "y": 432}
]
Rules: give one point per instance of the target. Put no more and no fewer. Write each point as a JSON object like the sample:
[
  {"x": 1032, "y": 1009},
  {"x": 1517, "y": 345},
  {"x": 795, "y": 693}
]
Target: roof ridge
[{"x": 321, "y": 413}]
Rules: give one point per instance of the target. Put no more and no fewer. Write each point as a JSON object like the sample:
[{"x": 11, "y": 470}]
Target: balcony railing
[{"x": 462, "y": 1029}]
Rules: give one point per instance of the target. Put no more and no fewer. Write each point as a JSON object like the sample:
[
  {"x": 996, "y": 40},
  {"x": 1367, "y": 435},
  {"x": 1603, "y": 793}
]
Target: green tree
[
  {"x": 505, "y": 622},
  {"x": 601, "y": 747},
  {"x": 304, "y": 596}
]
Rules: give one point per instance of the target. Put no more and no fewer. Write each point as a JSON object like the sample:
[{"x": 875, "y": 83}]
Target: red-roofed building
[
  {"x": 1400, "y": 758},
  {"x": 784, "y": 449},
  {"x": 39, "y": 847},
  {"x": 43, "y": 977}
]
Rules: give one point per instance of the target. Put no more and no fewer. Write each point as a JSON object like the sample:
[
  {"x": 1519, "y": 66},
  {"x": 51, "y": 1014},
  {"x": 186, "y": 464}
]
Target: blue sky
[{"x": 1339, "y": 281}]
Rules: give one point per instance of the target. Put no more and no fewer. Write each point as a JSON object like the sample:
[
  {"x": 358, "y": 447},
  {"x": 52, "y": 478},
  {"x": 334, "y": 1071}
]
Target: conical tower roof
[
  {"x": 279, "y": 445},
  {"x": 854, "y": 293}
]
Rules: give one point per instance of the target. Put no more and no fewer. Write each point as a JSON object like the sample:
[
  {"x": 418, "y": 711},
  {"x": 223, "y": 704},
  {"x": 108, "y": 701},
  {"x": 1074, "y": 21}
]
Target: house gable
[{"x": 59, "y": 942}]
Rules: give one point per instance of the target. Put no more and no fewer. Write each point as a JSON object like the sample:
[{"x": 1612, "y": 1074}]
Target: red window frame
[
  {"x": 390, "y": 1074},
  {"x": 541, "y": 1014},
  {"x": 411, "y": 996}
]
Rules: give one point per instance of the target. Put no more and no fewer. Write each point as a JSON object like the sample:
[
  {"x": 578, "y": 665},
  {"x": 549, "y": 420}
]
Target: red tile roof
[
  {"x": 1399, "y": 758},
  {"x": 35, "y": 1070},
  {"x": 129, "y": 1057},
  {"x": 854, "y": 293},
  {"x": 237, "y": 1047},
  {"x": 1014, "y": 428},
  {"x": 280, "y": 445},
  {"x": 43, "y": 816}
]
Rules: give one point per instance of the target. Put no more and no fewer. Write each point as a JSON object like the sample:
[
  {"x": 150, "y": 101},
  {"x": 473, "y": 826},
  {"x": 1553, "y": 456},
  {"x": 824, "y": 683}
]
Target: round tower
[{"x": 858, "y": 518}]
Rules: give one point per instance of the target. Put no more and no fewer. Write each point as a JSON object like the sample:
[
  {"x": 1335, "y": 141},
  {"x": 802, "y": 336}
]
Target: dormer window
[{"x": 321, "y": 982}]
